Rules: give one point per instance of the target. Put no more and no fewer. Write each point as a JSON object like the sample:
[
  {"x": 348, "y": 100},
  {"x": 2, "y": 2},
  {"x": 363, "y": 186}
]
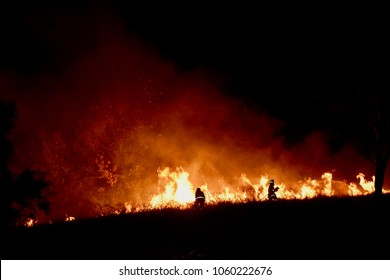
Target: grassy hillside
[{"x": 321, "y": 228}]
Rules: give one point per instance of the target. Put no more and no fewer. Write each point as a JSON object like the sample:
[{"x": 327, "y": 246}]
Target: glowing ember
[
  {"x": 69, "y": 218},
  {"x": 30, "y": 222}
]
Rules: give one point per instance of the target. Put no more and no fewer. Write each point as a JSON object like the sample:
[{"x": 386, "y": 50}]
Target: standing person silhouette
[{"x": 272, "y": 191}]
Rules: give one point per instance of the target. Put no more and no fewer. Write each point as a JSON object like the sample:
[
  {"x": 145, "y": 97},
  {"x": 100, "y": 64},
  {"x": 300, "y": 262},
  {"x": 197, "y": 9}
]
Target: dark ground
[{"x": 322, "y": 228}]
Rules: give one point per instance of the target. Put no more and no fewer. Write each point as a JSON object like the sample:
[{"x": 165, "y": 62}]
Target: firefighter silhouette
[
  {"x": 272, "y": 191},
  {"x": 200, "y": 199}
]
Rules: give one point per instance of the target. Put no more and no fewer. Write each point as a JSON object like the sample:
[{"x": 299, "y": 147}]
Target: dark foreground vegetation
[{"x": 322, "y": 228}]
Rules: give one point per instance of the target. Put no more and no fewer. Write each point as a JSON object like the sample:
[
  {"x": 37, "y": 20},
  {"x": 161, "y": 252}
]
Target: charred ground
[{"x": 321, "y": 228}]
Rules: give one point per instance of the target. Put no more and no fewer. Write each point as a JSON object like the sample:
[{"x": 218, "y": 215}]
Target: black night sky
[{"x": 273, "y": 56}]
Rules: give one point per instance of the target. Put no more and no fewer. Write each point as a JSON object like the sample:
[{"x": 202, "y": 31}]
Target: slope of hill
[{"x": 321, "y": 228}]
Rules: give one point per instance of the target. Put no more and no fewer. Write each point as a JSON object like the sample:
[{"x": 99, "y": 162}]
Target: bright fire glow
[
  {"x": 30, "y": 222},
  {"x": 69, "y": 218},
  {"x": 178, "y": 191},
  {"x": 175, "y": 190}
]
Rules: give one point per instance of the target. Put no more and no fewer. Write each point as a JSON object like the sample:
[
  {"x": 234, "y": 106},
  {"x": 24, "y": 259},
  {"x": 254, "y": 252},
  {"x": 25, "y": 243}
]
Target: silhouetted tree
[
  {"x": 21, "y": 195},
  {"x": 7, "y": 122},
  {"x": 376, "y": 132},
  {"x": 363, "y": 118},
  {"x": 26, "y": 196}
]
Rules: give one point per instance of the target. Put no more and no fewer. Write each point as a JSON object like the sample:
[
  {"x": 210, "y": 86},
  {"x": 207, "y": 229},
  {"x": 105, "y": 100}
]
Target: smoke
[{"x": 106, "y": 122}]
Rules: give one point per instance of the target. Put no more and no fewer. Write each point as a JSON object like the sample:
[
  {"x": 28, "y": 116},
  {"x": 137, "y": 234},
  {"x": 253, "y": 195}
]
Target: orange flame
[
  {"x": 69, "y": 218},
  {"x": 175, "y": 190},
  {"x": 178, "y": 191},
  {"x": 30, "y": 222}
]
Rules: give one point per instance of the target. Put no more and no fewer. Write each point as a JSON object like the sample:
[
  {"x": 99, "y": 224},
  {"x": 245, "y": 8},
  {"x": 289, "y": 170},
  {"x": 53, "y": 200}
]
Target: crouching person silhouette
[
  {"x": 200, "y": 199},
  {"x": 272, "y": 191}
]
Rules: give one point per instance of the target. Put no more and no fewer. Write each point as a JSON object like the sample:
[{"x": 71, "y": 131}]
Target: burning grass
[{"x": 176, "y": 191}]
